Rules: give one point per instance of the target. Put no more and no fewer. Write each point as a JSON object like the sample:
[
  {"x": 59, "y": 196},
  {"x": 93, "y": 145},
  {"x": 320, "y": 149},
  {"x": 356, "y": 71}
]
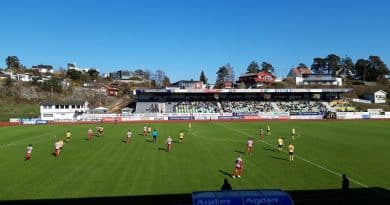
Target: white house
[
  {"x": 62, "y": 111},
  {"x": 43, "y": 68},
  {"x": 376, "y": 97}
]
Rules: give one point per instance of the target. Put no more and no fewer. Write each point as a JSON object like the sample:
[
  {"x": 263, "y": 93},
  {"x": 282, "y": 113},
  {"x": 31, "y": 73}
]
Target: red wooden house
[{"x": 257, "y": 79}]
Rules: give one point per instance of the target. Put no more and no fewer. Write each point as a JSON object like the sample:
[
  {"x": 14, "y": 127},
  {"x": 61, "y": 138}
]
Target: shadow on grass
[
  {"x": 279, "y": 158},
  {"x": 356, "y": 196},
  {"x": 270, "y": 149},
  {"x": 225, "y": 173},
  {"x": 149, "y": 141},
  {"x": 239, "y": 152},
  {"x": 162, "y": 149}
]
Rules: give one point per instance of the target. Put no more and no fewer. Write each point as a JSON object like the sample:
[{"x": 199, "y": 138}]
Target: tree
[
  {"x": 362, "y": 67},
  {"x": 332, "y": 64},
  {"x": 302, "y": 65},
  {"x": 203, "y": 78},
  {"x": 93, "y": 74},
  {"x": 372, "y": 69},
  {"x": 319, "y": 64},
  {"x": 143, "y": 74},
  {"x": 378, "y": 67},
  {"x": 166, "y": 82},
  {"x": 224, "y": 74},
  {"x": 267, "y": 67},
  {"x": 54, "y": 84},
  {"x": 159, "y": 77},
  {"x": 13, "y": 63},
  {"x": 347, "y": 67},
  {"x": 73, "y": 74},
  {"x": 253, "y": 67}
]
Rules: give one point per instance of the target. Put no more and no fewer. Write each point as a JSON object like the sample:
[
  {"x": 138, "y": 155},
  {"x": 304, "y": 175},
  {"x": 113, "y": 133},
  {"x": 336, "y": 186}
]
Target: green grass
[
  {"x": 18, "y": 110},
  {"x": 108, "y": 167}
]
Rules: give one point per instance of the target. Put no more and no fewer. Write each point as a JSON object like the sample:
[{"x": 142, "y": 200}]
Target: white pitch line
[
  {"x": 19, "y": 142},
  {"x": 303, "y": 159}
]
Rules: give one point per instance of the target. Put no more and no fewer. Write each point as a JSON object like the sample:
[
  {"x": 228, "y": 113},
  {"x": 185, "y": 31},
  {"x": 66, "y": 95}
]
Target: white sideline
[
  {"x": 19, "y": 142},
  {"x": 299, "y": 157}
]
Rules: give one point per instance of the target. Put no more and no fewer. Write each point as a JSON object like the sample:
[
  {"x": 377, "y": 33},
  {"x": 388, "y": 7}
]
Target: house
[
  {"x": 121, "y": 75},
  {"x": 112, "y": 91},
  {"x": 256, "y": 79},
  {"x": 376, "y": 97},
  {"x": 43, "y": 68},
  {"x": 318, "y": 79},
  {"x": 184, "y": 84},
  {"x": 3, "y": 78},
  {"x": 62, "y": 111},
  {"x": 298, "y": 72},
  {"x": 22, "y": 77}
]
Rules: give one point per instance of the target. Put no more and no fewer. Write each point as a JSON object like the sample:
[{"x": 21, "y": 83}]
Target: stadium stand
[{"x": 301, "y": 106}]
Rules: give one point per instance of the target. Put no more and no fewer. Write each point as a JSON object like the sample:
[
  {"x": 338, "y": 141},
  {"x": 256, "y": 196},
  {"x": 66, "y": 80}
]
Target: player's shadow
[
  {"x": 141, "y": 134},
  {"x": 124, "y": 141},
  {"x": 279, "y": 158},
  {"x": 174, "y": 141},
  {"x": 148, "y": 140},
  {"x": 270, "y": 149},
  {"x": 225, "y": 173},
  {"x": 162, "y": 149},
  {"x": 239, "y": 152}
]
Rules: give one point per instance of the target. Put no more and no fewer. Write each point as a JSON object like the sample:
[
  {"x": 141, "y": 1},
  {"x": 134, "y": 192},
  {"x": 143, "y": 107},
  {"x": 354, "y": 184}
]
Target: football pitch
[{"x": 107, "y": 166}]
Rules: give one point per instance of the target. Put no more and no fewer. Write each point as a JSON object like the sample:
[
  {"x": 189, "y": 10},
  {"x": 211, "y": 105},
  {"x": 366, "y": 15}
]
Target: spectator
[{"x": 226, "y": 185}]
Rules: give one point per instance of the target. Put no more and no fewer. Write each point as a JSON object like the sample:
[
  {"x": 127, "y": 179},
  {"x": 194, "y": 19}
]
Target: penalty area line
[{"x": 302, "y": 158}]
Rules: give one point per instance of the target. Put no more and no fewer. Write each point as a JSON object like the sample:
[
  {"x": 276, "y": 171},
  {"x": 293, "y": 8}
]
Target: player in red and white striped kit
[
  {"x": 238, "y": 167},
  {"x": 169, "y": 143},
  {"x": 29, "y": 149},
  {"x": 249, "y": 148}
]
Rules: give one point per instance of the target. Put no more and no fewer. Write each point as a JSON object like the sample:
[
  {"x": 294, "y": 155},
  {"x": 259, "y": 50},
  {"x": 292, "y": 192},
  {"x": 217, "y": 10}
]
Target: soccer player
[
  {"x": 261, "y": 133},
  {"x": 291, "y": 151},
  {"x": 154, "y": 135},
  {"x": 292, "y": 133},
  {"x": 57, "y": 150},
  {"x": 181, "y": 136},
  {"x": 129, "y": 134},
  {"x": 100, "y": 130},
  {"x": 145, "y": 130},
  {"x": 249, "y": 148},
  {"x": 61, "y": 144},
  {"x": 29, "y": 149},
  {"x": 189, "y": 126},
  {"x": 238, "y": 167},
  {"x": 67, "y": 136},
  {"x": 90, "y": 134},
  {"x": 268, "y": 130},
  {"x": 169, "y": 143},
  {"x": 149, "y": 129},
  {"x": 280, "y": 143}
]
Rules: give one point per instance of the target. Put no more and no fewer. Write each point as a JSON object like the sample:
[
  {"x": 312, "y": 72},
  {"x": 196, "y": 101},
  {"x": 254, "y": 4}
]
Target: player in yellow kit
[
  {"x": 67, "y": 136},
  {"x": 280, "y": 143},
  {"x": 292, "y": 133},
  {"x": 291, "y": 151},
  {"x": 268, "y": 130},
  {"x": 181, "y": 136}
]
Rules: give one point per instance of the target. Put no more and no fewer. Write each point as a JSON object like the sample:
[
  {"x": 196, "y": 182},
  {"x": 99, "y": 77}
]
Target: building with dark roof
[{"x": 62, "y": 110}]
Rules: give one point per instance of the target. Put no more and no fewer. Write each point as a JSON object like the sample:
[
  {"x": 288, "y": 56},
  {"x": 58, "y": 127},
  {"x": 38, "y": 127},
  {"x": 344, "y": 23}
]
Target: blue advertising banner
[
  {"x": 230, "y": 117},
  {"x": 41, "y": 122},
  {"x": 242, "y": 197},
  {"x": 305, "y": 113},
  {"x": 181, "y": 118}
]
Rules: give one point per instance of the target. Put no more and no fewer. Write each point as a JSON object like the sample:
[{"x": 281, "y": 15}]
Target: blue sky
[{"x": 184, "y": 37}]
